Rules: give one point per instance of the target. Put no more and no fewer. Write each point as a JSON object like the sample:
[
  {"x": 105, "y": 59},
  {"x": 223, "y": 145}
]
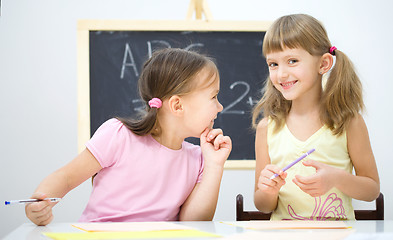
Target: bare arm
[
  {"x": 59, "y": 183},
  {"x": 266, "y": 190},
  {"x": 365, "y": 185},
  {"x": 202, "y": 202}
]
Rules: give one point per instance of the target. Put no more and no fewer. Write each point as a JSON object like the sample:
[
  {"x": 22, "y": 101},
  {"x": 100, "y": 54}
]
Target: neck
[
  {"x": 171, "y": 141},
  {"x": 308, "y": 103}
]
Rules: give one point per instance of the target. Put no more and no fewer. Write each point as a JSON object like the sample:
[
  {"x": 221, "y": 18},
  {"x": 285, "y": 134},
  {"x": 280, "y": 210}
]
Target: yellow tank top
[{"x": 293, "y": 203}]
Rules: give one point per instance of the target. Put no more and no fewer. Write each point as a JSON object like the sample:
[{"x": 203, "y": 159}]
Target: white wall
[{"x": 38, "y": 102}]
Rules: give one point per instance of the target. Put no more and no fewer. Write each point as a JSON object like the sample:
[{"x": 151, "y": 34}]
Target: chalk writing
[{"x": 128, "y": 52}]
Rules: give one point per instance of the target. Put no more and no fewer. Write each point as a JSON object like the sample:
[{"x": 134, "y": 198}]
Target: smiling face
[
  {"x": 201, "y": 106},
  {"x": 294, "y": 72}
]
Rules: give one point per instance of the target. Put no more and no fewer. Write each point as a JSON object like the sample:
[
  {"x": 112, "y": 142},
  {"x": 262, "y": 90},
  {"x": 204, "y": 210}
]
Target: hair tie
[
  {"x": 155, "y": 103},
  {"x": 331, "y": 50}
]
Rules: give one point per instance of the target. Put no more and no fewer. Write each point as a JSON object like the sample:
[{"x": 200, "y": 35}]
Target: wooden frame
[{"x": 85, "y": 26}]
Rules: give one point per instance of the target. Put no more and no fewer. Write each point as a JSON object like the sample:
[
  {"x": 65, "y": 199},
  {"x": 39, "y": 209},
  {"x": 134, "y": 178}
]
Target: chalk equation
[{"x": 138, "y": 105}]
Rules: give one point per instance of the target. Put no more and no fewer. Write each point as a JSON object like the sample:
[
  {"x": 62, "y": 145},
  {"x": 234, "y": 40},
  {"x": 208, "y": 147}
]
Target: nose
[
  {"x": 282, "y": 73},
  {"x": 220, "y": 107}
]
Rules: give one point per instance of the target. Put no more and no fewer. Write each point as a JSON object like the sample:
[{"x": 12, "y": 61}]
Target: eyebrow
[
  {"x": 284, "y": 57},
  {"x": 215, "y": 91}
]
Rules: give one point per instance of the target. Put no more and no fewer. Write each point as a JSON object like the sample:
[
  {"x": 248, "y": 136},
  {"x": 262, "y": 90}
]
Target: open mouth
[{"x": 288, "y": 85}]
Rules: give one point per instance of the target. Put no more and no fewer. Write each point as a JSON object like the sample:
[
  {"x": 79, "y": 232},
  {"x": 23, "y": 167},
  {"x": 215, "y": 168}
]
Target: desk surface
[{"x": 235, "y": 230}]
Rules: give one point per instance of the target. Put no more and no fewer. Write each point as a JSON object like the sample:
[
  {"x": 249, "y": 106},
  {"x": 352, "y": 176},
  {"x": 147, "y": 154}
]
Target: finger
[
  {"x": 299, "y": 183},
  {"x": 277, "y": 181},
  {"x": 38, "y": 206},
  {"x": 312, "y": 192},
  {"x": 204, "y": 136},
  {"x": 39, "y": 217},
  {"x": 45, "y": 214},
  {"x": 45, "y": 219},
  {"x": 217, "y": 142},
  {"x": 213, "y": 133},
  {"x": 283, "y": 175},
  {"x": 305, "y": 187},
  {"x": 266, "y": 184},
  {"x": 312, "y": 163},
  {"x": 305, "y": 180},
  {"x": 226, "y": 142},
  {"x": 274, "y": 170},
  {"x": 39, "y": 196}
]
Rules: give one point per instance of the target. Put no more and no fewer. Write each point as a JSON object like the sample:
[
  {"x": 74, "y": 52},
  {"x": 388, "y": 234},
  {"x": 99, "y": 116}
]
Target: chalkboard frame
[{"x": 83, "y": 63}]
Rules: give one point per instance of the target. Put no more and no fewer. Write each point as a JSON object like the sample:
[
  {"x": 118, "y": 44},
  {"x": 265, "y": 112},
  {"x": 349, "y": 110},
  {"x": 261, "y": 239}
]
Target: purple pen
[{"x": 294, "y": 162}]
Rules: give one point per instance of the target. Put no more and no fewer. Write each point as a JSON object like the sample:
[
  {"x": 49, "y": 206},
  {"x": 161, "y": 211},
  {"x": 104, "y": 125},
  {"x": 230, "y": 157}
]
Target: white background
[{"x": 38, "y": 91}]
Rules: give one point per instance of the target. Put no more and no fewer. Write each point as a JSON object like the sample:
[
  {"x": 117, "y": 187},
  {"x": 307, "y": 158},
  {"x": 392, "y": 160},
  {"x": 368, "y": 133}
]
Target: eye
[
  {"x": 272, "y": 64},
  {"x": 293, "y": 61}
]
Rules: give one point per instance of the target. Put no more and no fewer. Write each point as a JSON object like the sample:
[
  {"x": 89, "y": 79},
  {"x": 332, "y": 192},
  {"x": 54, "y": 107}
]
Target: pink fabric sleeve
[{"x": 103, "y": 143}]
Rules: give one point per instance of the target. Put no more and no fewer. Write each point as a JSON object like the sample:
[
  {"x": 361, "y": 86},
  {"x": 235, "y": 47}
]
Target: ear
[
  {"x": 326, "y": 63},
  {"x": 175, "y": 104}
]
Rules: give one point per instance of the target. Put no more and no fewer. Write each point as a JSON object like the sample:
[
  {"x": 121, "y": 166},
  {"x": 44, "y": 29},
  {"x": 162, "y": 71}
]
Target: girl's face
[
  {"x": 294, "y": 72},
  {"x": 201, "y": 106}
]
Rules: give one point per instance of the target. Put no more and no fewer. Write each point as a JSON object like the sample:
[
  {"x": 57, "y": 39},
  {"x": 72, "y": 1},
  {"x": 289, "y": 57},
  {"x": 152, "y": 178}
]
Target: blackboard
[{"x": 116, "y": 58}]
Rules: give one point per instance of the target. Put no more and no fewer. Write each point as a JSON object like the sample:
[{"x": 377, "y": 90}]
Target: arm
[
  {"x": 362, "y": 186},
  {"x": 365, "y": 185},
  {"x": 202, "y": 202},
  {"x": 266, "y": 189},
  {"x": 59, "y": 183}
]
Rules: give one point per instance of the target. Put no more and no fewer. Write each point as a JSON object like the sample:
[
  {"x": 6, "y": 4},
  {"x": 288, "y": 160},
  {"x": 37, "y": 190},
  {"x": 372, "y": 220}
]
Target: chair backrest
[{"x": 377, "y": 214}]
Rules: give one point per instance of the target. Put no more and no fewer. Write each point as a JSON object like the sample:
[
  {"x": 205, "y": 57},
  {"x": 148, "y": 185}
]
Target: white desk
[{"x": 361, "y": 230}]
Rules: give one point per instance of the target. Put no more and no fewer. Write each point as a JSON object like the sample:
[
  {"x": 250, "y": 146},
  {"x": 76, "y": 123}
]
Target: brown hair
[
  {"x": 168, "y": 72},
  {"x": 341, "y": 98}
]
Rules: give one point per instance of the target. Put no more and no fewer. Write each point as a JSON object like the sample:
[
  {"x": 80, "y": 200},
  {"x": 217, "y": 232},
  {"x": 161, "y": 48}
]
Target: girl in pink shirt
[{"x": 144, "y": 170}]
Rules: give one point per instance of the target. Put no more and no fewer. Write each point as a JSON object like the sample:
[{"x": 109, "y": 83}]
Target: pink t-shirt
[{"x": 140, "y": 179}]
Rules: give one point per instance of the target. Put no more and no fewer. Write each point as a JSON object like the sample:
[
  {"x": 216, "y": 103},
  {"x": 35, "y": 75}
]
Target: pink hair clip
[
  {"x": 155, "y": 103},
  {"x": 331, "y": 50}
]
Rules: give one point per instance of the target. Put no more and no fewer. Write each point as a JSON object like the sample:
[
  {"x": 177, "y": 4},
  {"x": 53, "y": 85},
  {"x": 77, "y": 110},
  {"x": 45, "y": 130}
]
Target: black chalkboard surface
[{"x": 116, "y": 58}]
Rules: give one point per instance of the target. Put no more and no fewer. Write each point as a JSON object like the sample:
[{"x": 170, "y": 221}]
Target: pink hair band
[
  {"x": 331, "y": 50},
  {"x": 155, "y": 103}
]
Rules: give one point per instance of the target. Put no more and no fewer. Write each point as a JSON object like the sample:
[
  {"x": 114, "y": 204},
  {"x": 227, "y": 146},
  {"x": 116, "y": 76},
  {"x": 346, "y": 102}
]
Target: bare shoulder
[
  {"x": 261, "y": 138},
  {"x": 262, "y": 125},
  {"x": 358, "y": 140},
  {"x": 357, "y": 126}
]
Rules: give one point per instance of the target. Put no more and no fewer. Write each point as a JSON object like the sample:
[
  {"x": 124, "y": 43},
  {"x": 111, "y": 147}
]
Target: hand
[
  {"x": 39, "y": 213},
  {"x": 215, "y": 145},
  {"x": 271, "y": 186},
  {"x": 320, "y": 182}
]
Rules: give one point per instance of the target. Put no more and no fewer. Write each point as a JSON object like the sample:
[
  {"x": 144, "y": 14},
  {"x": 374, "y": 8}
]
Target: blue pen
[
  {"x": 31, "y": 201},
  {"x": 294, "y": 162}
]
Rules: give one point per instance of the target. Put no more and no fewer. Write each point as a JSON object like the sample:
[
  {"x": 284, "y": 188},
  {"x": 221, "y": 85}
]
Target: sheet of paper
[
  {"x": 373, "y": 236},
  {"x": 337, "y": 234},
  {"x": 129, "y": 226},
  {"x": 261, "y": 225},
  {"x": 130, "y": 235}
]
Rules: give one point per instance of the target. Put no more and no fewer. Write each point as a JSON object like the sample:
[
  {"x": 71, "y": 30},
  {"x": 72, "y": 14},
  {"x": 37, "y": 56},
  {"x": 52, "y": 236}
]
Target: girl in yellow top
[{"x": 301, "y": 113}]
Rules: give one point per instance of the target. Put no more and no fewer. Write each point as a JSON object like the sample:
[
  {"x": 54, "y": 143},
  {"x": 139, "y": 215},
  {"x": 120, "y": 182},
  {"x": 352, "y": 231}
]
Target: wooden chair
[{"x": 377, "y": 214}]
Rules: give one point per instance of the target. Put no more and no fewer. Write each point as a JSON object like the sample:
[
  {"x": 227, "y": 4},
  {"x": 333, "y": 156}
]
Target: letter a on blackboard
[{"x": 128, "y": 52}]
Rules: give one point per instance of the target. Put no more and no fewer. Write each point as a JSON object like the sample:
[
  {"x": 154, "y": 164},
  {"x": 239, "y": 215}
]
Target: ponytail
[
  {"x": 145, "y": 123},
  {"x": 342, "y": 97}
]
